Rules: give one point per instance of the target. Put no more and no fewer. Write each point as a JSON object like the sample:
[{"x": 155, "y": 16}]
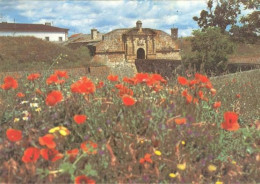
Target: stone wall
[
  {"x": 164, "y": 41},
  {"x": 165, "y": 67},
  {"x": 112, "y": 42},
  {"x": 168, "y": 55}
]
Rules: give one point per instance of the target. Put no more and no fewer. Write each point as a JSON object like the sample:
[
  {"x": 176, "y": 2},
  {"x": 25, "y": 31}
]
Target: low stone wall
[
  {"x": 234, "y": 67},
  {"x": 165, "y": 67}
]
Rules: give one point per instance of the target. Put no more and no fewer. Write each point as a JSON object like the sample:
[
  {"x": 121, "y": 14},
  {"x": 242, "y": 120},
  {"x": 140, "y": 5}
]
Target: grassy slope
[
  {"x": 242, "y": 83},
  {"x": 26, "y": 53}
]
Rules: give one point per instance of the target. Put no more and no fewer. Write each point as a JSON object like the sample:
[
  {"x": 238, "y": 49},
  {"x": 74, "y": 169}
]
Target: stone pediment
[{"x": 136, "y": 31}]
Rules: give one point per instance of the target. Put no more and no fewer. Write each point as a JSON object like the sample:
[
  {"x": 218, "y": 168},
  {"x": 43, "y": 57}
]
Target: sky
[{"x": 81, "y": 16}]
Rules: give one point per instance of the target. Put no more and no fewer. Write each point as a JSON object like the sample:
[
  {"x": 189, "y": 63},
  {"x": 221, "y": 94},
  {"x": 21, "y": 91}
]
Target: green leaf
[
  {"x": 67, "y": 168},
  {"x": 89, "y": 171}
]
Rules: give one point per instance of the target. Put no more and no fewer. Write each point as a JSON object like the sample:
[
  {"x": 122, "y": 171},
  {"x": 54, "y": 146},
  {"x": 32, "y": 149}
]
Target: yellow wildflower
[
  {"x": 62, "y": 130},
  {"x": 173, "y": 175},
  {"x": 183, "y": 142},
  {"x": 38, "y": 109},
  {"x": 25, "y": 118},
  {"x": 157, "y": 152},
  {"x": 181, "y": 166},
  {"x": 16, "y": 120},
  {"x": 233, "y": 162},
  {"x": 219, "y": 182},
  {"x": 212, "y": 168}
]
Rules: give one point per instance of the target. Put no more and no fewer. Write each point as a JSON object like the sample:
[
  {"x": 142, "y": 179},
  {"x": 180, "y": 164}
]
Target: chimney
[
  {"x": 174, "y": 33},
  {"x": 94, "y": 33},
  {"x": 47, "y": 24},
  {"x": 139, "y": 25}
]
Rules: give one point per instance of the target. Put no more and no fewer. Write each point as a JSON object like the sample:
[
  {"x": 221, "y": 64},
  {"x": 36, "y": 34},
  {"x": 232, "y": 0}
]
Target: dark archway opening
[{"x": 140, "y": 53}]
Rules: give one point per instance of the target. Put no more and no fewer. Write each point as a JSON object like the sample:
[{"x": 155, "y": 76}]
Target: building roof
[{"x": 30, "y": 27}]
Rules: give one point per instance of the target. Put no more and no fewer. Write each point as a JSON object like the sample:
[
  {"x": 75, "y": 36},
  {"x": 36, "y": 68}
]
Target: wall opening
[{"x": 140, "y": 53}]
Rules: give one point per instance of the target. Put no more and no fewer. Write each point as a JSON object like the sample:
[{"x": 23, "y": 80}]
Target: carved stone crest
[{"x": 141, "y": 42}]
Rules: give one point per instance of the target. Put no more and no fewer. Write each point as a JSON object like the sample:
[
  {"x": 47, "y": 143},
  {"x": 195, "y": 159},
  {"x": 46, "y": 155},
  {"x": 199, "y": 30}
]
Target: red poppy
[
  {"x": 216, "y": 105},
  {"x": 192, "y": 82},
  {"x": 147, "y": 158},
  {"x": 202, "y": 78},
  {"x": 100, "y": 84},
  {"x": 89, "y": 147},
  {"x": 158, "y": 77},
  {"x": 129, "y": 80},
  {"x": 20, "y": 95},
  {"x": 128, "y": 100},
  {"x": 209, "y": 85},
  {"x": 200, "y": 93},
  {"x": 119, "y": 86},
  {"x": 33, "y": 76},
  {"x": 112, "y": 78},
  {"x": 61, "y": 74},
  {"x": 51, "y": 154},
  {"x": 9, "y": 82},
  {"x": 238, "y": 95},
  {"x": 188, "y": 98},
  {"x": 52, "y": 79},
  {"x": 141, "y": 77},
  {"x": 47, "y": 140},
  {"x": 83, "y": 86},
  {"x": 182, "y": 80},
  {"x": 125, "y": 91},
  {"x": 184, "y": 93},
  {"x": 14, "y": 135},
  {"x": 53, "y": 98},
  {"x": 180, "y": 121},
  {"x": 230, "y": 122},
  {"x": 157, "y": 87},
  {"x": 151, "y": 82},
  {"x": 79, "y": 119},
  {"x": 84, "y": 179},
  {"x": 31, "y": 154},
  {"x": 195, "y": 100},
  {"x": 72, "y": 154}
]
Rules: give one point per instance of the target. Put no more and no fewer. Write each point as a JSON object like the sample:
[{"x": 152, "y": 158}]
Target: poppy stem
[
  {"x": 56, "y": 171},
  {"x": 78, "y": 159}
]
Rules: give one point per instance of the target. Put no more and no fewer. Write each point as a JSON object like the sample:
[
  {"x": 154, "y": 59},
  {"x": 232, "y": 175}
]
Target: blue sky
[{"x": 81, "y": 16}]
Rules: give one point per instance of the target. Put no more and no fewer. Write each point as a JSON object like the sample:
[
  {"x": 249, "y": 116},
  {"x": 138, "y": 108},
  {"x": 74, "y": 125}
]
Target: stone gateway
[{"x": 137, "y": 43}]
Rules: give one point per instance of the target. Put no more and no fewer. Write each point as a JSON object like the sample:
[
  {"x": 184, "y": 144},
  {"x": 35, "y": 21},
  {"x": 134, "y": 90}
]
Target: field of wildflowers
[{"x": 57, "y": 128}]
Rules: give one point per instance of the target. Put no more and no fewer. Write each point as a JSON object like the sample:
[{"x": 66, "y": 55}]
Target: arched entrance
[{"x": 140, "y": 53}]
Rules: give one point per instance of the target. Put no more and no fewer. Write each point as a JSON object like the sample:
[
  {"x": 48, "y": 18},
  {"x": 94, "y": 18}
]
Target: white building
[{"x": 45, "y": 32}]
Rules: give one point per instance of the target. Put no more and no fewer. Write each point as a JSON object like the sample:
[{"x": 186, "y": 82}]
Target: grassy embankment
[{"x": 29, "y": 53}]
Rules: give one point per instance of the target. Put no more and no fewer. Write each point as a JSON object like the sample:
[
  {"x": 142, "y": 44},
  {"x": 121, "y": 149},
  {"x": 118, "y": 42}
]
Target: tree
[
  {"x": 223, "y": 13},
  {"x": 210, "y": 49},
  {"x": 250, "y": 29}
]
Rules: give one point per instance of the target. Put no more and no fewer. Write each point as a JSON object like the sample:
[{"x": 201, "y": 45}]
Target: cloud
[{"x": 81, "y": 16}]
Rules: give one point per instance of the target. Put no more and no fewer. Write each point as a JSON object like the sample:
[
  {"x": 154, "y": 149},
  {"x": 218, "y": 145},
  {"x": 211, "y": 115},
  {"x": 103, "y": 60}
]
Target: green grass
[
  {"x": 124, "y": 134},
  {"x": 29, "y": 53}
]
